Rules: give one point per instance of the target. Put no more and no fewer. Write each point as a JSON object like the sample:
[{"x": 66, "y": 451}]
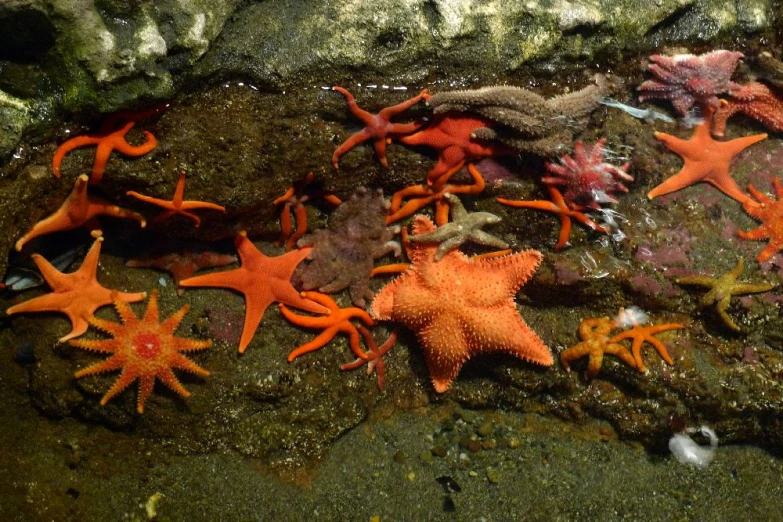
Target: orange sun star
[
  {"x": 77, "y": 294},
  {"x": 705, "y": 160},
  {"x": 262, "y": 280},
  {"x": 461, "y": 306},
  {"x": 78, "y": 209},
  {"x": 176, "y": 205},
  {"x": 106, "y": 142},
  {"x": 143, "y": 349},
  {"x": 336, "y": 321}
]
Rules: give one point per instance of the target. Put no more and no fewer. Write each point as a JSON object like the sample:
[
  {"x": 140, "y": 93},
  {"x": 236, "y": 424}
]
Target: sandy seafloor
[{"x": 383, "y": 470}]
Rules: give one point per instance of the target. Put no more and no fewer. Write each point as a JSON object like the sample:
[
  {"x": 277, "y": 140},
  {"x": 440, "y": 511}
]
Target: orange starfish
[
  {"x": 594, "y": 332},
  {"x": 295, "y": 197},
  {"x": 78, "y": 209},
  {"x": 770, "y": 212},
  {"x": 704, "y": 160},
  {"x": 77, "y": 294},
  {"x": 559, "y": 207},
  {"x": 756, "y": 101},
  {"x": 378, "y": 127},
  {"x": 460, "y": 306},
  {"x": 640, "y": 334},
  {"x": 450, "y": 135},
  {"x": 176, "y": 205},
  {"x": 375, "y": 355},
  {"x": 143, "y": 349},
  {"x": 262, "y": 280},
  {"x": 106, "y": 142},
  {"x": 337, "y": 320},
  {"x": 426, "y": 194}
]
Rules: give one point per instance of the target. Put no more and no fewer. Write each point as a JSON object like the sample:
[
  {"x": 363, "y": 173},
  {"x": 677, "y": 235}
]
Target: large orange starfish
[
  {"x": 143, "y": 349},
  {"x": 460, "y": 306},
  {"x": 563, "y": 211},
  {"x": 176, "y": 205},
  {"x": 106, "y": 142},
  {"x": 337, "y": 320},
  {"x": 450, "y": 135},
  {"x": 296, "y": 195},
  {"x": 378, "y": 127},
  {"x": 77, "y": 294},
  {"x": 705, "y": 160},
  {"x": 770, "y": 212},
  {"x": 262, "y": 280},
  {"x": 78, "y": 209},
  {"x": 425, "y": 194}
]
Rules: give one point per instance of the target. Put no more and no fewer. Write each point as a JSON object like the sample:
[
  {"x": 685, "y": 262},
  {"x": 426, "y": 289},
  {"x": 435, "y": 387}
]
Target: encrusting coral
[{"x": 343, "y": 254}]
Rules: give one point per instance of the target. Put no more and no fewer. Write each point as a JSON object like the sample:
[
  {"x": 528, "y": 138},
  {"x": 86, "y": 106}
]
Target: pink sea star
[{"x": 685, "y": 79}]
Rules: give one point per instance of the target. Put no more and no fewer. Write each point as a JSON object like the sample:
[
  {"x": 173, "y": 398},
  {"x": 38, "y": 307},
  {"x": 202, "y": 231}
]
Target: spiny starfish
[
  {"x": 723, "y": 288},
  {"x": 770, "y": 212},
  {"x": 460, "y": 307},
  {"x": 563, "y": 211},
  {"x": 754, "y": 100},
  {"x": 594, "y": 332},
  {"x": 295, "y": 197},
  {"x": 426, "y": 194},
  {"x": 143, "y": 349},
  {"x": 262, "y": 280},
  {"x": 704, "y": 160},
  {"x": 464, "y": 226},
  {"x": 77, "y": 294},
  {"x": 375, "y": 355},
  {"x": 78, "y": 209},
  {"x": 106, "y": 142},
  {"x": 378, "y": 127},
  {"x": 335, "y": 321},
  {"x": 176, "y": 205}
]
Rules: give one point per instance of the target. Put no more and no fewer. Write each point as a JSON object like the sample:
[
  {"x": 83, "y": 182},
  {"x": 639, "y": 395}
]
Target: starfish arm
[
  {"x": 235, "y": 279},
  {"x": 452, "y": 160},
  {"x": 622, "y": 353},
  {"x": 446, "y": 246},
  {"x": 319, "y": 342},
  {"x": 285, "y": 225},
  {"x": 146, "y": 385},
  {"x": 737, "y": 145},
  {"x": 67, "y": 146},
  {"x": 411, "y": 191},
  {"x": 137, "y": 150},
  {"x": 149, "y": 199},
  {"x": 750, "y": 288},
  {"x": 52, "y": 302},
  {"x": 254, "y": 312},
  {"x": 735, "y": 272},
  {"x": 353, "y": 339},
  {"x": 397, "y": 130},
  {"x": 721, "y": 306},
  {"x": 100, "y": 346},
  {"x": 661, "y": 349},
  {"x": 758, "y": 195},
  {"x": 107, "y": 365},
  {"x": 565, "y": 232},
  {"x": 102, "y": 153},
  {"x": 179, "y": 190},
  {"x": 594, "y": 364},
  {"x": 675, "y": 144},
  {"x": 168, "y": 378},
  {"x": 673, "y": 184},
  {"x": 728, "y": 186},
  {"x": 300, "y": 213},
  {"x": 571, "y": 354},
  {"x": 755, "y": 234},
  {"x": 355, "y": 139},
  {"x": 380, "y": 150},
  {"x": 458, "y": 212},
  {"x": 200, "y": 205},
  {"x": 388, "y": 112},
  {"x": 441, "y": 212},
  {"x": 409, "y": 208},
  {"x": 768, "y": 251},
  {"x": 364, "y": 116},
  {"x": 486, "y": 239}
]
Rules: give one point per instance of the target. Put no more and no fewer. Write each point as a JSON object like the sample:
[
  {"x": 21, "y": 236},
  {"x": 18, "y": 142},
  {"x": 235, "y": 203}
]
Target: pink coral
[
  {"x": 587, "y": 181},
  {"x": 686, "y": 79}
]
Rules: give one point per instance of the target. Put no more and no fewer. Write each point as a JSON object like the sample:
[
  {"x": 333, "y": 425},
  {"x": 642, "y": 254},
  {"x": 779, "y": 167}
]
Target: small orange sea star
[{"x": 176, "y": 205}]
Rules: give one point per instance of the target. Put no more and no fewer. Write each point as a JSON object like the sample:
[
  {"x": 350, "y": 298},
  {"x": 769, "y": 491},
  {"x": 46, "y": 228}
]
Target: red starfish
[
  {"x": 426, "y": 194},
  {"x": 336, "y": 320},
  {"x": 106, "y": 142},
  {"x": 263, "y": 280},
  {"x": 378, "y": 127},
  {"x": 754, "y": 100},
  {"x": 296, "y": 196},
  {"x": 375, "y": 355},
  {"x": 704, "y": 159},
  {"x": 78, "y": 209},
  {"x": 176, "y": 205},
  {"x": 182, "y": 265},
  {"x": 770, "y": 212},
  {"x": 450, "y": 135},
  {"x": 559, "y": 207}
]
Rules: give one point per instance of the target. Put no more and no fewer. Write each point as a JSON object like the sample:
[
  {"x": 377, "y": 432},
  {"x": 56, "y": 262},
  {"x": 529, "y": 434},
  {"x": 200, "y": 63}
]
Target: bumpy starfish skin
[
  {"x": 378, "y": 127},
  {"x": 465, "y": 226},
  {"x": 461, "y": 306},
  {"x": 704, "y": 160},
  {"x": 587, "y": 180},
  {"x": 106, "y": 143},
  {"x": 755, "y": 100},
  {"x": 77, "y": 294},
  {"x": 686, "y": 79},
  {"x": 176, "y": 205},
  {"x": 723, "y": 288},
  {"x": 143, "y": 349},
  {"x": 770, "y": 212},
  {"x": 262, "y": 280},
  {"x": 595, "y": 343},
  {"x": 78, "y": 209}
]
